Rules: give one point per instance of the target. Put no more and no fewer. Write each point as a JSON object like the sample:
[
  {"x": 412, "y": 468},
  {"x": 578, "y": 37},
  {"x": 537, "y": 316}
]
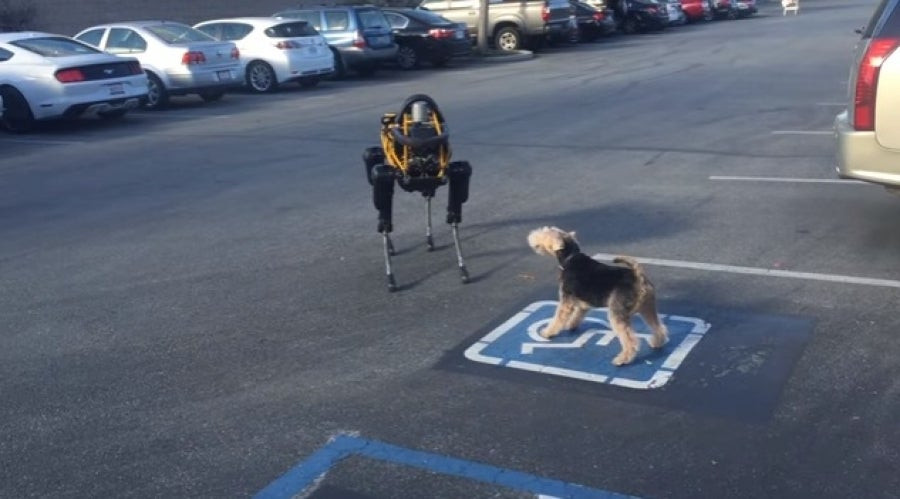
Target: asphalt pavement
[{"x": 193, "y": 301}]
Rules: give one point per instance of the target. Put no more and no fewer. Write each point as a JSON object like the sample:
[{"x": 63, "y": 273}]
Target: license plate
[
  {"x": 378, "y": 40},
  {"x": 116, "y": 89},
  {"x": 312, "y": 50},
  {"x": 459, "y": 35},
  {"x": 223, "y": 75}
]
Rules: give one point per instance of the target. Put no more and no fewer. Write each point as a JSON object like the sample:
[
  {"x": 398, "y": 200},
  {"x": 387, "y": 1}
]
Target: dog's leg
[
  {"x": 563, "y": 311},
  {"x": 621, "y": 325},
  {"x": 576, "y": 317},
  {"x": 648, "y": 312}
]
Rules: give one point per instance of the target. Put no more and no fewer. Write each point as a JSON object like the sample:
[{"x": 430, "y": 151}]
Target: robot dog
[{"x": 415, "y": 154}]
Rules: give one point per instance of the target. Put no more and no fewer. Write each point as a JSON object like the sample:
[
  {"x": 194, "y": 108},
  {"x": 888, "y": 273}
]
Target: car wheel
[
  {"x": 157, "y": 96},
  {"x": 211, "y": 95},
  {"x": 407, "y": 58},
  {"x": 17, "y": 116},
  {"x": 261, "y": 77},
  {"x": 309, "y": 81},
  {"x": 508, "y": 39},
  {"x": 340, "y": 71}
]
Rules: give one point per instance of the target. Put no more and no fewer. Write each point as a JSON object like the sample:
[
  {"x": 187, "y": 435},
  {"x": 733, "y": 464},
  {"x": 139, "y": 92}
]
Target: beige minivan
[{"x": 868, "y": 131}]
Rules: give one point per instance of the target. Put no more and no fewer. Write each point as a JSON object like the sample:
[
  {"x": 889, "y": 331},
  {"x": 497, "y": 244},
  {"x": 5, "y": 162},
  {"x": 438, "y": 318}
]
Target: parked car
[
  {"x": 274, "y": 51},
  {"x": 422, "y": 35},
  {"x": 512, "y": 24},
  {"x": 697, "y": 10},
  {"x": 47, "y": 76},
  {"x": 178, "y": 59},
  {"x": 724, "y": 9},
  {"x": 593, "y": 22},
  {"x": 745, "y": 8},
  {"x": 676, "y": 14},
  {"x": 359, "y": 35},
  {"x": 640, "y": 15},
  {"x": 868, "y": 131}
]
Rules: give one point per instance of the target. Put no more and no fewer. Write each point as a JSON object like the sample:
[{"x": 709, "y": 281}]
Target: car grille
[{"x": 110, "y": 70}]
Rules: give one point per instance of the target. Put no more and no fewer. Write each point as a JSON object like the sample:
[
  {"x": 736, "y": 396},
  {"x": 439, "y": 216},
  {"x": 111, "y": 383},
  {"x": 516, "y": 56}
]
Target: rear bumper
[
  {"x": 95, "y": 108},
  {"x": 183, "y": 83},
  {"x": 860, "y": 157},
  {"x": 354, "y": 56}
]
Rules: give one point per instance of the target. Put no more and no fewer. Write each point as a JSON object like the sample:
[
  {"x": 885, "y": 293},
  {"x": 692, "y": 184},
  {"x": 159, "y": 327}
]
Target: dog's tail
[{"x": 643, "y": 284}]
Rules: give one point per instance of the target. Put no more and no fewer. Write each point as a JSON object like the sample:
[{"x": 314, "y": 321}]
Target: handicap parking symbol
[{"x": 587, "y": 352}]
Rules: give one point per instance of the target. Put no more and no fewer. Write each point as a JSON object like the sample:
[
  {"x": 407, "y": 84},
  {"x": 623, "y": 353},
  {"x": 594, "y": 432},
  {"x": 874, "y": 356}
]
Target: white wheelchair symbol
[{"x": 606, "y": 334}]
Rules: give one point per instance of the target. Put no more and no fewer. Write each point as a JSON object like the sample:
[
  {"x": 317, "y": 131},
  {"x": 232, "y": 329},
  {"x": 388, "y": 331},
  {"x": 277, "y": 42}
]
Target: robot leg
[
  {"x": 459, "y": 173},
  {"x": 383, "y": 196}
]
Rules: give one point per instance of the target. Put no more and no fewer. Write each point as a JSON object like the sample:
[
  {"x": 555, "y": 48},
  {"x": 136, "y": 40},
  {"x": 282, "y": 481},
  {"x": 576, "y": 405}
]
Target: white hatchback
[
  {"x": 274, "y": 51},
  {"x": 45, "y": 76},
  {"x": 178, "y": 59}
]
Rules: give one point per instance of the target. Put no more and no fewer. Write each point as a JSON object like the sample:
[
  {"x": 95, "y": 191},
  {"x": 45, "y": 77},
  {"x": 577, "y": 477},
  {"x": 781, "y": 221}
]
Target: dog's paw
[
  {"x": 658, "y": 341},
  {"x": 547, "y": 333},
  {"x": 621, "y": 359}
]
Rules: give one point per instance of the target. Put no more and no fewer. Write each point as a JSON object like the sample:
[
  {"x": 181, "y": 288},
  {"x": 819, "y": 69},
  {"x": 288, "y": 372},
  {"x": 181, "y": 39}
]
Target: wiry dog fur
[{"x": 585, "y": 283}]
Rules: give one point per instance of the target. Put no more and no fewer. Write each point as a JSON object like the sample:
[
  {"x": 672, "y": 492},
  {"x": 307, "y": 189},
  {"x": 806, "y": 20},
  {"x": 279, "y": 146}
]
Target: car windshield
[
  {"x": 178, "y": 33},
  {"x": 371, "y": 18},
  {"x": 288, "y": 30},
  {"x": 55, "y": 46}
]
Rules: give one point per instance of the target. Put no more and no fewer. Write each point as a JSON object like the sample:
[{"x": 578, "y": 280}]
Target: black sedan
[
  {"x": 593, "y": 22},
  {"x": 422, "y": 35}
]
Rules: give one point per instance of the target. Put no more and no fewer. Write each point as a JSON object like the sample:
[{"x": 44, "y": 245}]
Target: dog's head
[{"x": 549, "y": 240}]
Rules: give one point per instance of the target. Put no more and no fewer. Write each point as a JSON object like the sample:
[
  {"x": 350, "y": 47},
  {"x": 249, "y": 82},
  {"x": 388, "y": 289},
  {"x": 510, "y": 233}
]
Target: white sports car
[{"x": 45, "y": 76}]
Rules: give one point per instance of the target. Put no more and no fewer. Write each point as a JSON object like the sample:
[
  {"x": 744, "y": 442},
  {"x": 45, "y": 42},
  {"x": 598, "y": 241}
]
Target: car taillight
[
  {"x": 598, "y": 16},
  {"x": 69, "y": 75},
  {"x": 235, "y": 53},
  {"x": 135, "y": 68},
  {"x": 286, "y": 45},
  {"x": 359, "y": 42},
  {"x": 545, "y": 13},
  {"x": 441, "y": 33},
  {"x": 652, "y": 9},
  {"x": 867, "y": 81},
  {"x": 193, "y": 57}
]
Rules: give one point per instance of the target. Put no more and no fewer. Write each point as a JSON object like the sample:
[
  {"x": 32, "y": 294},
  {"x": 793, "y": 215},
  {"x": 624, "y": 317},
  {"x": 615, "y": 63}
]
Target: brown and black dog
[{"x": 585, "y": 283}]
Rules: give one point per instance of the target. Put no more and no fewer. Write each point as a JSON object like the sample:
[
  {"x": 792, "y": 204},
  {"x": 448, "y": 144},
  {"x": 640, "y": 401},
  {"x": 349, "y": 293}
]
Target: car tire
[
  {"x": 340, "y": 71},
  {"x": 17, "y": 117},
  {"x": 508, "y": 39},
  {"x": 407, "y": 57},
  {"x": 260, "y": 77},
  {"x": 309, "y": 81},
  {"x": 212, "y": 95},
  {"x": 157, "y": 95}
]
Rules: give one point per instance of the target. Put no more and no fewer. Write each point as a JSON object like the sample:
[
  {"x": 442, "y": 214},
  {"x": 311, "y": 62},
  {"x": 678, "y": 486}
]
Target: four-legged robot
[{"x": 415, "y": 154}]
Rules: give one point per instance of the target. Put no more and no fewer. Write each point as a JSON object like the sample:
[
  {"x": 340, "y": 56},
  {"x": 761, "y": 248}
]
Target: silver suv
[
  {"x": 868, "y": 131},
  {"x": 359, "y": 35}
]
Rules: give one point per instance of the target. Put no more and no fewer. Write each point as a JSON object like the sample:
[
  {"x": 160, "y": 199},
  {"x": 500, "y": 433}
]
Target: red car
[{"x": 696, "y": 10}]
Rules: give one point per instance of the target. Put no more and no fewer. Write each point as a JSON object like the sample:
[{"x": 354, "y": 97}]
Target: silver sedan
[{"x": 178, "y": 59}]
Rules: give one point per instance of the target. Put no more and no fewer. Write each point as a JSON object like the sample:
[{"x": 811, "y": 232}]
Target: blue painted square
[{"x": 587, "y": 352}]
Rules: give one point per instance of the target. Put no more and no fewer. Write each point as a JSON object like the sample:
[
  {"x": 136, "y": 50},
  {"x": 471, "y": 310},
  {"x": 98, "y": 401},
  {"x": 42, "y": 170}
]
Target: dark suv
[{"x": 359, "y": 35}]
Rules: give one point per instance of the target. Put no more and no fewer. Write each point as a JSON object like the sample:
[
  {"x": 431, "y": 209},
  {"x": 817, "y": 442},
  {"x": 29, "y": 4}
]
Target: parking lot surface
[{"x": 194, "y": 303}]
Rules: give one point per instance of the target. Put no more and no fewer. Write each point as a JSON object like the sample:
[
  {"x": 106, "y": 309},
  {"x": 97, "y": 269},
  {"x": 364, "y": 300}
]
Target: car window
[
  {"x": 309, "y": 16},
  {"x": 891, "y": 26},
  {"x": 178, "y": 33},
  {"x": 288, "y": 30},
  {"x": 336, "y": 20},
  {"x": 5, "y": 55},
  {"x": 235, "y": 31},
  {"x": 396, "y": 20},
  {"x": 214, "y": 30},
  {"x": 428, "y": 17},
  {"x": 54, "y": 46},
  {"x": 372, "y": 18},
  {"x": 124, "y": 41},
  {"x": 92, "y": 37}
]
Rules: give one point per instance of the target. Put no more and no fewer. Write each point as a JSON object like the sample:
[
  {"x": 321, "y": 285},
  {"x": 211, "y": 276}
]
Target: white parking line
[
  {"x": 788, "y": 180},
  {"x": 734, "y": 269},
  {"x": 802, "y": 132}
]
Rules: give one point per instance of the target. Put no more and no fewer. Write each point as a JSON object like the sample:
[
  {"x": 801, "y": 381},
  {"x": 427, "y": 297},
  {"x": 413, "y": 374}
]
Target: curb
[{"x": 500, "y": 57}]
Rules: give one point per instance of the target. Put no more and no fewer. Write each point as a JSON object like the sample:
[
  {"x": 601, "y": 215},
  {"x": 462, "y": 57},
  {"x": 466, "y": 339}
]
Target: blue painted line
[{"x": 308, "y": 471}]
